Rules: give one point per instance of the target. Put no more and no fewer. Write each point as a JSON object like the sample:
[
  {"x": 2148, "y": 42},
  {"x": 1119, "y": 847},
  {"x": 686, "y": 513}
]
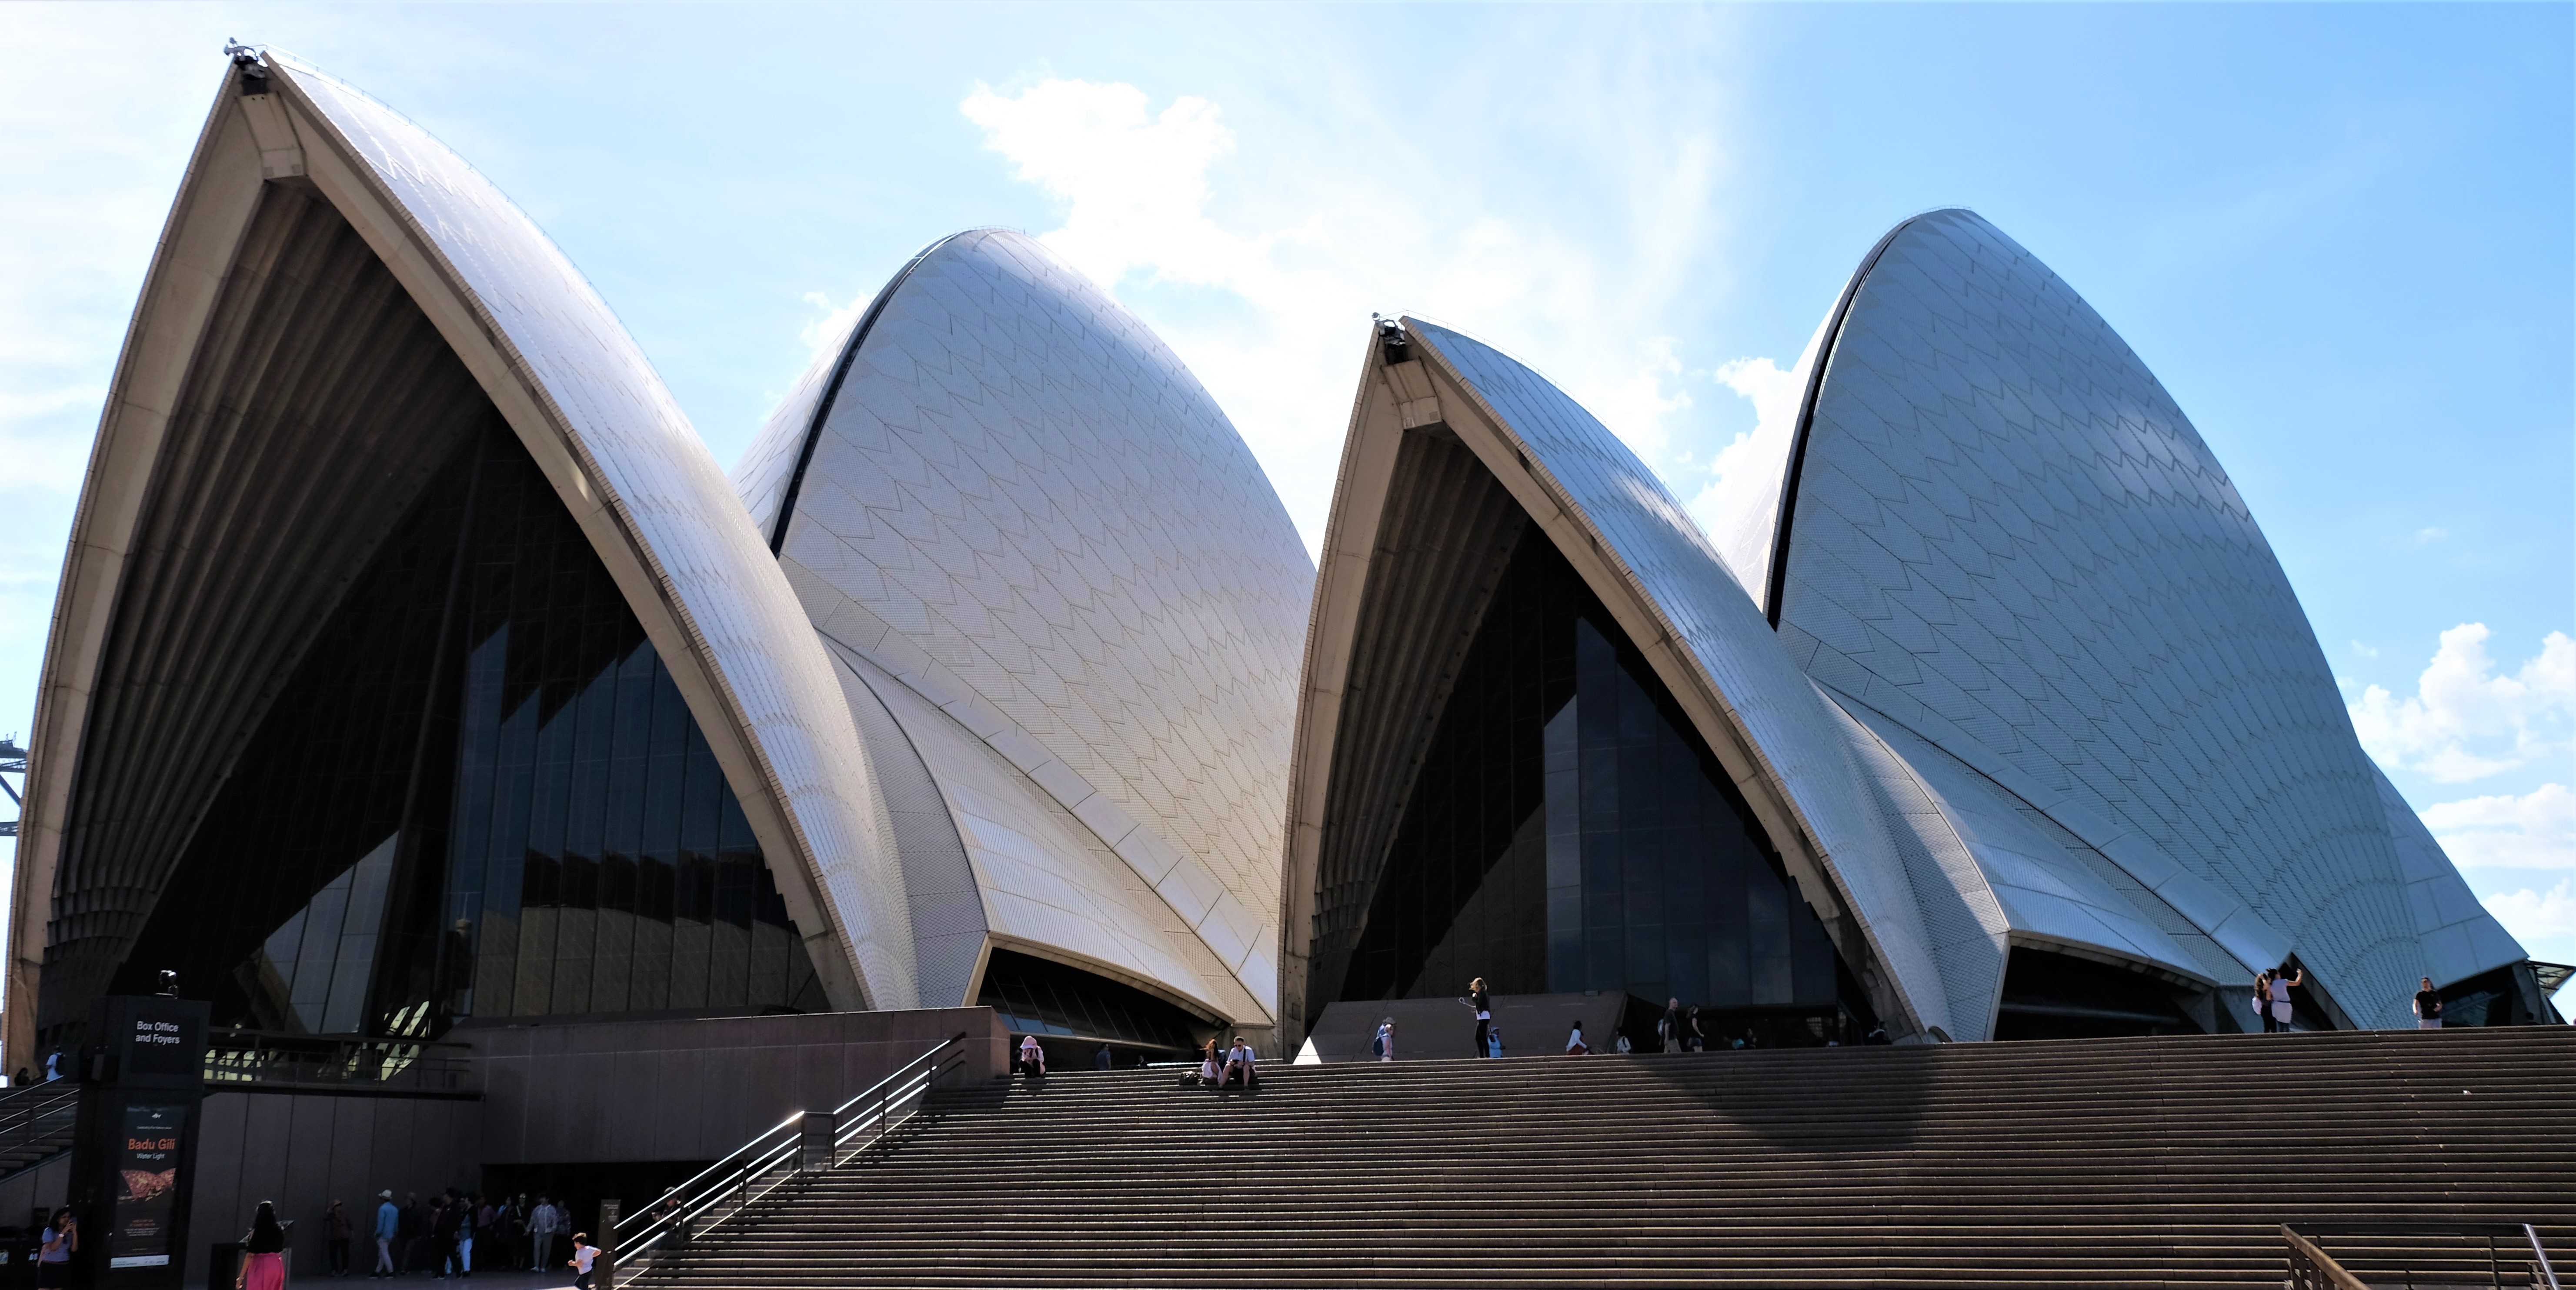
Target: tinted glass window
[
  {"x": 1568, "y": 831},
  {"x": 480, "y": 796}
]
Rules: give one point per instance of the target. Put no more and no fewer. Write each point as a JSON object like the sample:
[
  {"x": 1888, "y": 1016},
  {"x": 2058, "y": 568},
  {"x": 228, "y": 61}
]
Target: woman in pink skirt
[{"x": 264, "y": 1251}]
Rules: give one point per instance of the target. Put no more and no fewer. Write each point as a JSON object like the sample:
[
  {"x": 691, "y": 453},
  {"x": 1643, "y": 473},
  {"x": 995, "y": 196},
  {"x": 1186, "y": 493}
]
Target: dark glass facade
[
  {"x": 1568, "y": 831},
  {"x": 1045, "y": 998},
  {"x": 480, "y": 796},
  {"x": 2058, "y": 996}
]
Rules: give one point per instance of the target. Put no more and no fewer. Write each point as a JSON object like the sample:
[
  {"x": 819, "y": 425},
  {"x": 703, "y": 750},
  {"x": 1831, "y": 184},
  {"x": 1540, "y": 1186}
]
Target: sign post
[{"x": 134, "y": 1160}]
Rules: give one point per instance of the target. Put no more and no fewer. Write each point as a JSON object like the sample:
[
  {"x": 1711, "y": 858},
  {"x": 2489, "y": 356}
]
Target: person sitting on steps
[
  {"x": 1574, "y": 1045},
  {"x": 1239, "y": 1065}
]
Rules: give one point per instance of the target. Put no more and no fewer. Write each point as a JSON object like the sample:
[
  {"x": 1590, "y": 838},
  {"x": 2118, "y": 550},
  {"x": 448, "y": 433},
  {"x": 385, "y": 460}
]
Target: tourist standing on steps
[
  {"x": 1384, "y": 1044},
  {"x": 1483, "y": 1002},
  {"x": 1100, "y": 1060},
  {"x": 2428, "y": 1007},
  {"x": 1693, "y": 1039},
  {"x": 388, "y": 1226},
  {"x": 2281, "y": 983},
  {"x": 2263, "y": 1001},
  {"x": 1669, "y": 1030},
  {"x": 1032, "y": 1057}
]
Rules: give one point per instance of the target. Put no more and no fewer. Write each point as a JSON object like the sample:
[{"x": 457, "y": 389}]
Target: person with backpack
[{"x": 1384, "y": 1045}]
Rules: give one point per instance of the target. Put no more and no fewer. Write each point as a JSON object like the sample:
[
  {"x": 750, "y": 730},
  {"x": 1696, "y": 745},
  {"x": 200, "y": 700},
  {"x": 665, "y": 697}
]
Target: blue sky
[{"x": 2341, "y": 235}]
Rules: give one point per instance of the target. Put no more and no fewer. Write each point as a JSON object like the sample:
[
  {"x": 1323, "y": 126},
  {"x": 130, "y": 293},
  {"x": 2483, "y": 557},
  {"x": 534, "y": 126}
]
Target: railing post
[
  {"x": 604, "y": 1267},
  {"x": 814, "y": 1144}
]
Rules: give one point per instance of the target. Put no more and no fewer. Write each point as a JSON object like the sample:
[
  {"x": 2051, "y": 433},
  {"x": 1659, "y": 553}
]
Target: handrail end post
[
  {"x": 604, "y": 1264},
  {"x": 814, "y": 1141}
]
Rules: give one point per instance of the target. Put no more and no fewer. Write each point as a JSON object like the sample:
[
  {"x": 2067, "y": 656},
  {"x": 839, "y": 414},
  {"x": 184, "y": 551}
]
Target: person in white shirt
[
  {"x": 2282, "y": 982},
  {"x": 1574, "y": 1045},
  {"x": 1239, "y": 1058},
  {"x": 1032, "y": 1057},
  {"x": 1386, "y": 1040},
  {"x": 583, "y": 1253}
]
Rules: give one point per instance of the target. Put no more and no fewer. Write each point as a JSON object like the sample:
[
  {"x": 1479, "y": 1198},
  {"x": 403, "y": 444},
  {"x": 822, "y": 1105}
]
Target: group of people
[
  {"x": 2272, "y": 996},
  {"x": 1235, "y": 1066},
  {"x": 1678, "y": 1031},
  {"x": 442, "y": 1237}
]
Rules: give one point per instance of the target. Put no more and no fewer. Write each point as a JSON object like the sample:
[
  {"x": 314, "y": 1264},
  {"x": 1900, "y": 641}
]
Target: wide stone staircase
[{"x": 2120, "y": 1162}]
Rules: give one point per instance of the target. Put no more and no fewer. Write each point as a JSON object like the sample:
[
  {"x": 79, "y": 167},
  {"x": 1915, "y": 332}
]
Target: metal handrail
[
  {"x": 772, "y": 1157},
  {"x": 906, "y": 1083},
  {"x": 39, "y": 1111},
  {"x": 2320, "y": 1267},
  {"x": 2314, "y": 1269}
]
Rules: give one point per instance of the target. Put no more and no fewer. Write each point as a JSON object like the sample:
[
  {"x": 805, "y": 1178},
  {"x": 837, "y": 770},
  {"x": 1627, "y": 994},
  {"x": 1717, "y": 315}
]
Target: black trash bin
[{"x": 223, "y": 1265}]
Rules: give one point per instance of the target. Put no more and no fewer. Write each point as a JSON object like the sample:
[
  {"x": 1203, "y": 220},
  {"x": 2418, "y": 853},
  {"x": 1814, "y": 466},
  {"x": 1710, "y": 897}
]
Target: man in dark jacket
[
  {"x": 410, "y": 1247},
  {"x": 444, "y": 1220}
]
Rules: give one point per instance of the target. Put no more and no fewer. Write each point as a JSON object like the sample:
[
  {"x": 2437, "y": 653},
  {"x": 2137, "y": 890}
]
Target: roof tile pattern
[
  {"x": 1046, "y": 880},
  {"x": 2009, "y": 539},
  {"x": 1025, "y": 507}
]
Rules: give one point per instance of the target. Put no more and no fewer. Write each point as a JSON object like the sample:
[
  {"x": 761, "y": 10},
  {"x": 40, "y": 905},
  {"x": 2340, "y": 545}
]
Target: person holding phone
[
  {"x": 1483, "y": 1002},
  {"x": 62, "y": 1241}
]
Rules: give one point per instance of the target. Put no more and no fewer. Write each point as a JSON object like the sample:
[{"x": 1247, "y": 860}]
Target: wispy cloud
[
  {"x": 1265, "y": 290},
  {"x": 2543, "y": 920},
  {"x": 2536, "y": 830},
  {"x": 2429, "y": 536},
  {"x": 2464, "y": 722},
  {"x": 829, "y": 323}
]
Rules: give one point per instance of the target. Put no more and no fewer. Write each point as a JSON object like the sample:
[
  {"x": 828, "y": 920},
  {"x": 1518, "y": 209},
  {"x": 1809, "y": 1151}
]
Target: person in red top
[{"x": 336, "y": 1226}]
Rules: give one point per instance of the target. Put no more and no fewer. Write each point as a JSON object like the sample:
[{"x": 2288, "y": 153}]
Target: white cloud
[
  {"x": 1266, "y": 290},
  {"x": 835, "y": 320},
  {"x": 2544, "y": 921},
  {"x": 2429, "y": 536},
  {"x": 2465, "y": 723},
  {"x": 2534, "y": 831},
  {"x": 2366, "y": 651}
]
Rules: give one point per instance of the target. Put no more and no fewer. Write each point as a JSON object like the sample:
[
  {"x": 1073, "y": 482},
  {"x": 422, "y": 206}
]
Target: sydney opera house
[{"x": 416, "y": 668}]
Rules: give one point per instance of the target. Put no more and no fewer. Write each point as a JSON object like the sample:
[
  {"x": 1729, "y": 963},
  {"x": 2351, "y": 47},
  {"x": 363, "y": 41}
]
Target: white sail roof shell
[
  {"x": 2006, "y": 539},
  {"x": 1020, "y": 503}
]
